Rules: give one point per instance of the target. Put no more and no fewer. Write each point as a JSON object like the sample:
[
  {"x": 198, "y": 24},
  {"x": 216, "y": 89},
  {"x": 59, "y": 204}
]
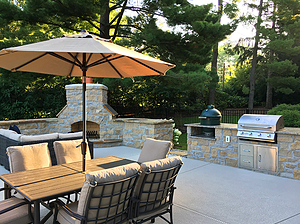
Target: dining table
[{"x": 52, "y": 182}]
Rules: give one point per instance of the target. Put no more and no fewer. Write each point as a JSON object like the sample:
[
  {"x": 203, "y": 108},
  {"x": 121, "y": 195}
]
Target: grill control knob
[
  {"x": 242, "y": 133},
  {"x": 259, "y": 134},
  {"x": 268, "y": 135},
  {"x": 250, "y": 133}
]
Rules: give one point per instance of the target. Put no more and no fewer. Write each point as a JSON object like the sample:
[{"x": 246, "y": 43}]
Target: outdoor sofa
[{"x": 11, "y": 138}]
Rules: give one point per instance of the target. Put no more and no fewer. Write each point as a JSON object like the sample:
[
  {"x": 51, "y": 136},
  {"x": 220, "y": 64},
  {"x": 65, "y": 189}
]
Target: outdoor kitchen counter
[
  {"x": 222, "y": 148},
  {"x": 289, "y": 131}
]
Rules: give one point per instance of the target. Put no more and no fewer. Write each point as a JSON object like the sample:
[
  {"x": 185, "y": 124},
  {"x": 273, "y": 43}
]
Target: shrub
[{"x": 290, "y": 113}]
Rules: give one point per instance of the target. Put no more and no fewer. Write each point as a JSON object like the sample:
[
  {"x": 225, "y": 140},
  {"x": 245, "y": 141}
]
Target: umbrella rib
[
  {"x": 64, "y": 59},
  {"x": 145, "y": 65},
  {"x": 75, "y": 58},
  {"x": 70, "y": 73},
  {"x": 108, "y": 61},
  {"x": 100, "y": 61},
  {"x": 16, "y": 68}
]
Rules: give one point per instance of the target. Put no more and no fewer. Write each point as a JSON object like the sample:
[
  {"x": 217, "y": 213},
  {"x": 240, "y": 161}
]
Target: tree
[{"x": 188, "y": 41}]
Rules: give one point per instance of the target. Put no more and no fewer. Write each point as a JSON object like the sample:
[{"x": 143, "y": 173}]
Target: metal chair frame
[
  {"x": 122, "y": 208},
  {"x": 162, "y": 191}
]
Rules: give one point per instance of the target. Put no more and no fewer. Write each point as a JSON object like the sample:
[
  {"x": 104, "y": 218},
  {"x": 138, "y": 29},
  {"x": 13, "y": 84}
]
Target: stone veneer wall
[
  {"x": 136, "y": 130},
  {"x": 33, "y": 126},
  {"x": 289, "y": 153},
  {"x": 214, "y": 150}
]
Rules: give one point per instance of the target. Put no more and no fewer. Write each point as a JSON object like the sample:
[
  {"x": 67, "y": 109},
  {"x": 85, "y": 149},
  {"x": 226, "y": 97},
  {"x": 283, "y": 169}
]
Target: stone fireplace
[{"x": 99, "y": 113}]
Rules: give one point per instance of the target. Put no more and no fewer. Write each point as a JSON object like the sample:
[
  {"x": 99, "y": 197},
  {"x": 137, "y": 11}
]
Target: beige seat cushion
[
  {"x": 15, "y": 216},
  {"x": 155, "y": 149},
  {"x": 69, "y": 151},
  {"x": 28, "y": 157}
]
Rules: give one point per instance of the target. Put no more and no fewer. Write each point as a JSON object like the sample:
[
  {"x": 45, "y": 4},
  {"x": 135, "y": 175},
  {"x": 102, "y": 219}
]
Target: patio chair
[
  {"x": 28, "y": 157},
  {"x": 14, "y": 211},
  {"x": 153, "y": 195},
  {"x": 105, "y": 197},
  {"x": 69, "y": 151},
  {"x": 154, "y": 149}
]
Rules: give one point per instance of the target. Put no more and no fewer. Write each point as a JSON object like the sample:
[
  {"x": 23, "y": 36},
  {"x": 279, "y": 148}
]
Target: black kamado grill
[{"x": 210, "y": 117}]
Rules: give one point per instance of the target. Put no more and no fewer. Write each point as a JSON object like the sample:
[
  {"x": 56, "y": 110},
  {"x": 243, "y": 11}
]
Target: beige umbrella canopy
[{"x": 83, "y": 55}]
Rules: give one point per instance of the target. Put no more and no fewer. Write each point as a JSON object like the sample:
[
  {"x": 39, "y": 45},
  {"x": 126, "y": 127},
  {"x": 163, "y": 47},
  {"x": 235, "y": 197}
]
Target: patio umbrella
[{"x": 83, "y": 55}]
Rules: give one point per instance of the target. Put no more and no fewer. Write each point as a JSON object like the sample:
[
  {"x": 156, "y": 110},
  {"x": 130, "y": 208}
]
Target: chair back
[
  {"x": 154, "y": 149},
  {"x": 155, "y": 187},
  {"x": 105, "y": 195},
  {"x": 28, "y": 157},
  {"x": 68, "y": 151}
]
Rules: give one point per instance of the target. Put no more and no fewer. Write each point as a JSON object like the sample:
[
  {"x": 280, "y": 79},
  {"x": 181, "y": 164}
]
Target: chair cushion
[
  {"x": 155, "y": 149},
  {"x": 63, "y": 217},
  {"x": 67, "y": 151},
  {"x": 28, "y": 157},
  {"x": 103, "y": 176},
  {"x": 15, "y": 216},
  {"x": 70, "y": 135},
  {"x": 161, "y": 164}
]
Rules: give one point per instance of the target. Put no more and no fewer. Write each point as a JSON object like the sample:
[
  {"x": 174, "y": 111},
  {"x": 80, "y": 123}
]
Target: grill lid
[
  {"x": 259, "y": 127},
  {"x": 261, "y": 122}
]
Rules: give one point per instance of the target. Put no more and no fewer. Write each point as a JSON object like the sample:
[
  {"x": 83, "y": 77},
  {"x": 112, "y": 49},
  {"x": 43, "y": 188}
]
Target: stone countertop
[
  {"x": 27, "y": 121},
  {"x": 220, "y": 126},
  {"x": 289, "y": 131},
  {"x": 285, "y": 130},
  {"x": 143, "y": 120}
]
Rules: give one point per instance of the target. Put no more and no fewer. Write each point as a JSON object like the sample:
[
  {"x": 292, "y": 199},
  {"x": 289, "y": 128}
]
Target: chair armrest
[{"x": 62, "y": 205}]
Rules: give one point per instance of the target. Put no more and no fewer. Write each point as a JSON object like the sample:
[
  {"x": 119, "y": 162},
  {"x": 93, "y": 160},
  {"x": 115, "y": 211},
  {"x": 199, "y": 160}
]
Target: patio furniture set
[{"x": 112, "y": 190}]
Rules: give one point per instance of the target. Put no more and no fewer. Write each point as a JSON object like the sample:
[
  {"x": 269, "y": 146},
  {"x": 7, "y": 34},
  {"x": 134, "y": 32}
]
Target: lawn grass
[{"x": 182, "y": 142}]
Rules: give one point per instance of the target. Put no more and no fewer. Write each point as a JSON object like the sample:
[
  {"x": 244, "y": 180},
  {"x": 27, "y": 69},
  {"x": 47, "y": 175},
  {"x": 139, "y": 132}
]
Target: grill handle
[
  {"x": 203, "y": 117},
  {"x": 262, "y": 127}
]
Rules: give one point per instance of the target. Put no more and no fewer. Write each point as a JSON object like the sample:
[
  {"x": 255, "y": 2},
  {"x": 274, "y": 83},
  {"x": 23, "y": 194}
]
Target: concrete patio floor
[{"x": 212, "y": 194}]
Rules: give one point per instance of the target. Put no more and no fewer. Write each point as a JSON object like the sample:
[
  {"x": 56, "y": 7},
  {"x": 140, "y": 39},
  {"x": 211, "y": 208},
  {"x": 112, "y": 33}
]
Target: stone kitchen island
[{"x": 223, "y": 147}]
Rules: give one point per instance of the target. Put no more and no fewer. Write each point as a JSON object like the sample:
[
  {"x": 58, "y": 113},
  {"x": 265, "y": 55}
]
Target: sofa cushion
[
  {"x": 154, "y": 149},
  {"x": 10, "y": 134},
  {"x": 33, "y": 138},
  {"x": 70, "y": 135},
  {"x": 68, "y": 151},
  {"x": 28, "y": 157}
]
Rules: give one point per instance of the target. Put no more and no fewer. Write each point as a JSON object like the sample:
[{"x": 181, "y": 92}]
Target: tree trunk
[
  {"x": 254, "y": 59},
  {"x": 269, "y": 94},
  {"x": 214, "y": 63},
  {"x": 104, "y": 23}
]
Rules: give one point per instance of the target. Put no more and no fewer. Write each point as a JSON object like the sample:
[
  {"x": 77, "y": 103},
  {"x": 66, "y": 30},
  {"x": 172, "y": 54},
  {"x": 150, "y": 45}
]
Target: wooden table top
[{"x": 50, "y": 182}]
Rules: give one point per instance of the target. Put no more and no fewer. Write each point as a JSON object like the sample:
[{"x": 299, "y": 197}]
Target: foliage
[
  {"x": 290, "y": 113},
  {"x": 176, "y": 135},
  {"x": 187, "y": 42}
]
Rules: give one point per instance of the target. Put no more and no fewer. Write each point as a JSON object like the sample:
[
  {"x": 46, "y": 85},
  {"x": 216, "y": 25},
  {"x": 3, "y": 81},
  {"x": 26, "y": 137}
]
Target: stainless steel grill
[{"x": 259, "y": 127}]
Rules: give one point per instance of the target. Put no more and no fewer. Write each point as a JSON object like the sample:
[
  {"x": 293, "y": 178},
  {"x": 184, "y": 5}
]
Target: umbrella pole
[{"x": 83, "y": 143}]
